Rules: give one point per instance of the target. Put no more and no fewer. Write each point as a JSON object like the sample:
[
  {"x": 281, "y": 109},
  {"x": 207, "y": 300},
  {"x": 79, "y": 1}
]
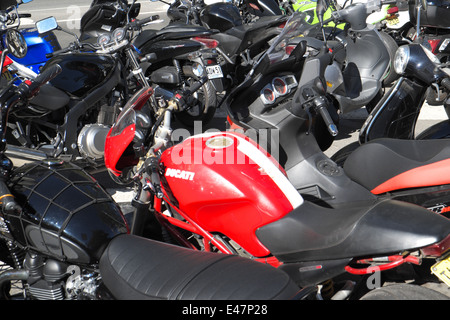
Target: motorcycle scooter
[
  {"x": 219, "y": 191},
  {"x": 397, "y": 113},
  {"x": 77, "y": 246}
]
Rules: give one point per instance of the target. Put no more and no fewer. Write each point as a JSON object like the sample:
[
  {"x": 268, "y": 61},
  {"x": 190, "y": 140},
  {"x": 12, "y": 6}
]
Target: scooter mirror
[
  {"x": 15, "y": 42},
  {"x": 46, "y": 25}
]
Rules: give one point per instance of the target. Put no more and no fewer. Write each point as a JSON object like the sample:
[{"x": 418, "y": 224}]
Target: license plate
[
  {"x": 214, "y": 72},
  {"x": 442, "y": 270}
]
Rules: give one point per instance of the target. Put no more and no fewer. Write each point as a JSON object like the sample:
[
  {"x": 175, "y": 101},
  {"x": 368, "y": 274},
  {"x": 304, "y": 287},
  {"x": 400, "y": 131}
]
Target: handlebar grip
[
  {"x": 181, "y": 97},
  {"x": 8, "y": 204},
  {"x": 30, "y": 88},
  {"x": 147, "y": 20},
  {"x": 24, "y": 15},
  {"x": 196, "y": 86},
  {"x": 320, "y": 105},
  {"x": 152, "y": 170},
  {"x": 45, "y": 77}
]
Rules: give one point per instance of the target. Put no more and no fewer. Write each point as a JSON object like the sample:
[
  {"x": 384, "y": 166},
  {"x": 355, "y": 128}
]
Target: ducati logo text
[{"x": 180, "y": 174}]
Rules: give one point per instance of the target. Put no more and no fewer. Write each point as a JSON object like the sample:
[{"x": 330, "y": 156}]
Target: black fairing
[
  {"x": 314, "y": 233},
  {"x": 66, "y": 214},
  {"x": 81, "y": 72},
  {"x": 221, "y": 16},
  {"x": 437, "y": 14},
  {"x": 421, "y": 67},
  {"x": 105, "y": 16},
  {"x": 168, "y": 49},
  {"x": 396, "y": 113}
]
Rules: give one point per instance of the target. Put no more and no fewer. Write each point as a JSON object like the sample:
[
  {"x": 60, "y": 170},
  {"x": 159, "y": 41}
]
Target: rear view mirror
[
  {"x": 46, "y": 25},
  {"x": 16, "y": 43}
]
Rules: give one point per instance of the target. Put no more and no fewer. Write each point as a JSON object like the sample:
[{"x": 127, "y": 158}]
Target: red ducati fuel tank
[{"x": 227, "y": 184}]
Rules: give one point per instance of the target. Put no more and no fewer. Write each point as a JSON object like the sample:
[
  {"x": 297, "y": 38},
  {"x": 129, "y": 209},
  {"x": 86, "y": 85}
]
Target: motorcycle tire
[
  {"x": 205, "y": 108},
  {"x": 391, "y": 45},
  {"x": 404, "y": 292}
]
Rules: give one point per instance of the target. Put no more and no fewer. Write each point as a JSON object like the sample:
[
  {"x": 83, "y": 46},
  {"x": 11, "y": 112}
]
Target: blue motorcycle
[{"x": 39, "y": 46}]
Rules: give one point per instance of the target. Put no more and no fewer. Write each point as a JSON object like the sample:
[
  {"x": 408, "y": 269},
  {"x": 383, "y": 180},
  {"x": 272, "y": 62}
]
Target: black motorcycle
[
  {"x": 63, "y": 237},
  {"x": 71, "y": 116},
  {"x": 171, "y": 58}
]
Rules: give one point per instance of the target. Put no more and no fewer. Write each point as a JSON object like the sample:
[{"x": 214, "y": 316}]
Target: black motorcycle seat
[
  {"x": 50, "y": 98},
  {"x": 135, "y": 268},
  {"x": 262, "y": 23},
  {"x": 385, "y": 164},
  {"x": 315, "y": 233},
  {"x": 172, "y": 32}
]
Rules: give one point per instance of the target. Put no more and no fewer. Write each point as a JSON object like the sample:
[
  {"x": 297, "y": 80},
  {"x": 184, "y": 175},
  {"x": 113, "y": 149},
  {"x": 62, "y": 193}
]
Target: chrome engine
[
  {"x": 91, "y": 140},
  {"x": 55, "y": 280}
]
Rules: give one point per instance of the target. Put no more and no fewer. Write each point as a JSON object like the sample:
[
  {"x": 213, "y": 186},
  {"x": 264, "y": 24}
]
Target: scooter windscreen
[
  {"x": 118, "y": 145},
  {"x": 280, "y": 49}
]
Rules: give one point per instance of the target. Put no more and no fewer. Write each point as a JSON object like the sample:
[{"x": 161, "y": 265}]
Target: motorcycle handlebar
[
  {"x": 9, "y": 205},
  {"x": 181, "y": 97},
  {"x": 28, "y": 89},
  {"x": 141, "y": 22},
  {"x": 55, "y": 53},
  {"x": 320, "y": 107},
  {"x": 25, "y": 90}
]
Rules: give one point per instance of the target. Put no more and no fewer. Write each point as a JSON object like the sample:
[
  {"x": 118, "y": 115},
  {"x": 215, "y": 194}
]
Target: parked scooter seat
[
  {"x": 314, "y": 233},
  {"x": 241, "y": 31},
  {"x": 137, "y": 268},
  {"x": 386, "y": 164}
]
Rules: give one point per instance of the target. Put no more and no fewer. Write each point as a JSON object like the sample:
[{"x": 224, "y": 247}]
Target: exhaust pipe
[
  {"x": 11, "y": 275},
  {"x": 25, "y": 153}
]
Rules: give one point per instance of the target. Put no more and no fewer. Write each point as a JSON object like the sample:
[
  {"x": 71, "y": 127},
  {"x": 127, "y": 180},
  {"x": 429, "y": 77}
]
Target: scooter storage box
[{"x": 436, "y": 15}]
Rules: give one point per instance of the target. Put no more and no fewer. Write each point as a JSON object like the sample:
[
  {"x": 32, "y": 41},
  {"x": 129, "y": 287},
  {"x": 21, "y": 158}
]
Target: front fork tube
[{"x": 139, "y": 74}]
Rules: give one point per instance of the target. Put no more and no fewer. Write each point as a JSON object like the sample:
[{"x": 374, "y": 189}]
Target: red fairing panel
[
  {"x": 115, "y": 147},
  {"x": 424, "y": 176},
  {"x": 226, "y": 184}
]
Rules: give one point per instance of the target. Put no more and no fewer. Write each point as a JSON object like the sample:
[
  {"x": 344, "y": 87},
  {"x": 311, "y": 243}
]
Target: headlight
[
  {"x": 401, "y": 59},
  {"x": 197, "y": 69}
]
